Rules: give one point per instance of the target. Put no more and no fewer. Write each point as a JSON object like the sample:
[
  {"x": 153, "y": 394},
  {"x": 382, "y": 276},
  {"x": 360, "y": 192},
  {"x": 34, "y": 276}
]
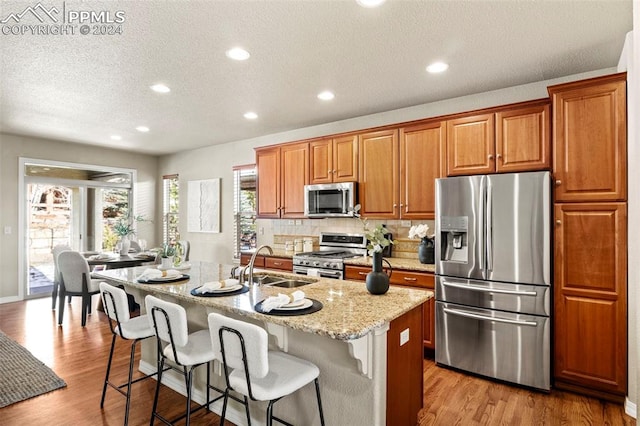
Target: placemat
[
  {"x": 290, "y": 313},
  {"x": 244, "y": 289},
  {"x": 184, "y": 277}
]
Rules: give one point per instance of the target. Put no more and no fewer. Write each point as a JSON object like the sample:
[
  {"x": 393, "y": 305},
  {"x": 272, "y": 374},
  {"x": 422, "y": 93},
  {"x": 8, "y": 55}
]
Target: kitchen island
[{"x": 356, "y": 339}]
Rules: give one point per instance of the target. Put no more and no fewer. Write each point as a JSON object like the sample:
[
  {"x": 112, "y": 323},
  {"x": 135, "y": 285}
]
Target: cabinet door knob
[
  {"x": 558, "y": 182},
  {"x": 329, "y": 171},
  {"x": 490, "y": 156},
  {"x": 558, "y": 222},
  {"x": 334, "y": 171},
  {"x": 498, "y": 156},
  {"x": 395, "y": 205}
]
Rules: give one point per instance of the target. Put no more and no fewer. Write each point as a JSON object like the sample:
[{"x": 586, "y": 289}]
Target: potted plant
[
  {"x": 124, "y": 228},
  {"x": 167, "y": 252}
]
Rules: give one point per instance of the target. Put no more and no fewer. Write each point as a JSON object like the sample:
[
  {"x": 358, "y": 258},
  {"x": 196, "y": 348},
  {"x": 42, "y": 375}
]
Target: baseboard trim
[
  {"x": 630, "y": 408},
  {"x": 9, "y": 299}
]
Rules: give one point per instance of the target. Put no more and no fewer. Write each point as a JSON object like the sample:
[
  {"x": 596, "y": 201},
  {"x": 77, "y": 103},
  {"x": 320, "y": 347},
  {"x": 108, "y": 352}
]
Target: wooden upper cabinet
[
  {"x": 422, "y": 161},
  {"x": 334, "y": 160},
  {"x": 523, "y": 139},
  {"x": 590, "y": 292},
  {"x": 294, "y": 176},
  {"x": 282, "y": 173},
  {"x": 471, "y": 145},
  {"x": 589, "y": 139},
  {"x": 378, "y": 174},
  {"x": 268, "y": 182}
]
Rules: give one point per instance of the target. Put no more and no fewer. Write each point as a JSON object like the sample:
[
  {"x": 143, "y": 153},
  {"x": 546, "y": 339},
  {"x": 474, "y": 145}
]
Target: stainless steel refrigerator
[{"x": 493, "y": 276}]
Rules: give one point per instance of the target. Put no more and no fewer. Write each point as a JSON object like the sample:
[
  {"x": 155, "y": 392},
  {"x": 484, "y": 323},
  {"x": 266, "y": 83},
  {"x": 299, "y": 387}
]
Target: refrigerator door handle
[
  {"x": 486, "y": 318},
  {"x": 481, "y": 224},
  {"x": 488, "y": 290},
  {"x": 489, "y": 227}
]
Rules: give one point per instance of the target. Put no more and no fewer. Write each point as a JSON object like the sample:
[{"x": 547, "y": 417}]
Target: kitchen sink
[
  {"x": 267, "y": 280},
  {"x": 271, "y": 281},
  {"x": 289, "y": 283}
]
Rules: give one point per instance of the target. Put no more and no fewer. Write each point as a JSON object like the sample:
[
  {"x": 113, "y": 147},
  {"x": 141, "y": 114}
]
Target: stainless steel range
[{"x": 328, "y": 262}]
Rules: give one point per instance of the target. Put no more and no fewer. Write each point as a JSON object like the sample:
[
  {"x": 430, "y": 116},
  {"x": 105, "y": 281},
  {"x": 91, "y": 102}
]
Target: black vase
[
  {"x": 426, "y": 251},
  {"x": 377, "y": 280}
]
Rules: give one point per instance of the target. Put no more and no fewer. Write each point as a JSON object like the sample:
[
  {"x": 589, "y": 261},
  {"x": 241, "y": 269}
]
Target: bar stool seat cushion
[
  {"x": 286, "y": 375},
  {"x": 135, "y": 328},
  {"x": 198, "y": 349}
]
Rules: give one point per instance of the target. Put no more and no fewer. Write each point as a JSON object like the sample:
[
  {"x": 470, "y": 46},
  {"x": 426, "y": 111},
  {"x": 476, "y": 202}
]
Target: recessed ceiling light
[
  {"x": 437, "y": 67},
  {"x": 160, "y": 88},
  {"x": 250, "y": 115},
  {"x": 370, "y": 3},
  {"x": 116, "y": 137},
  {"x": 326, "y": 95},
  {"x": 143, "y": 129},
  {"x": 238, "y": 54}
]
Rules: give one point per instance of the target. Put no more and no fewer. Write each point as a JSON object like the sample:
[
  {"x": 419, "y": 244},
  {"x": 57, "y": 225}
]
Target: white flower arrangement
[
  {"x": 420, "y": 231},
  {"x": 376, "y": 237}
]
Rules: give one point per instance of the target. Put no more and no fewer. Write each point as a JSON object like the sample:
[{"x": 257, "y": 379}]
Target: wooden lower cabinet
[
  {"x": 404, "y": 369},
  {"x": 411, "y": 279},
  {"x": 591, "y": 299},
  {"x": 268, "y": 262}
]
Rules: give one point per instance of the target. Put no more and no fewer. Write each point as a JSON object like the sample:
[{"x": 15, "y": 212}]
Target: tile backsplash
[{"x": 275, "y": 232}]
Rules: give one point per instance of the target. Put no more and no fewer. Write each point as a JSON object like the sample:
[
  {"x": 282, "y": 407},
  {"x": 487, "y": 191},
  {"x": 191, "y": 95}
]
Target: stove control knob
[
  {"x": 327, "y": 265},
  {"x": 316, "y": 263},
  {"x": 305, "y": 262}
]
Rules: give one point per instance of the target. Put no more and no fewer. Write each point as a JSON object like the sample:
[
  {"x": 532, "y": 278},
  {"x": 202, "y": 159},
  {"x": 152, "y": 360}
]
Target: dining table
[{"x": 115, "y": 261}]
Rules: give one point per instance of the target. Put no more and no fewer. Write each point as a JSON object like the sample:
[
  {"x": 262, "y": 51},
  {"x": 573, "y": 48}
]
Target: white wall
[{"x": 12, "y": 147}]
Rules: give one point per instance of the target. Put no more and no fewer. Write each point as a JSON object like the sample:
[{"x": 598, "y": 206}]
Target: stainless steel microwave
[{"x": 330, "y": 200}]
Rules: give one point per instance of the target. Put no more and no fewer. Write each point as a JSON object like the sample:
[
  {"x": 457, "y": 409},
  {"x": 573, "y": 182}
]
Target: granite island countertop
[{"x": 349, "y": 310}]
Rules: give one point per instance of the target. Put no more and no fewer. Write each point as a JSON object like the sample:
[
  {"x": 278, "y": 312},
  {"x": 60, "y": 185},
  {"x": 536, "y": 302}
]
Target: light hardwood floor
[{"x": 79, "y": 356}]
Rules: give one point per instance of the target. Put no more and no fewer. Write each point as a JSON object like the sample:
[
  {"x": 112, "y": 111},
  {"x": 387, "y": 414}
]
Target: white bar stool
[
  {"x": 258, "y": 373},
  {"x": 187, "y": 351},
  {"x": 116, "y": 307}
]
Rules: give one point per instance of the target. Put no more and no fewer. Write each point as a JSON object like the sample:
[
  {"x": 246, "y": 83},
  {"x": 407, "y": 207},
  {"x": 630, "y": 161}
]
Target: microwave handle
[{"x": 344, "y": 201}]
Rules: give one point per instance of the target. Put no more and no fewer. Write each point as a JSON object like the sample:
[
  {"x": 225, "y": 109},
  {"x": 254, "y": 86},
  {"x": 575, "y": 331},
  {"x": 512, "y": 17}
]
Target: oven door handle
[
  {"x": 489, "y": 290},
  {"x": 486, "y": 318},
  {"x": 336, "y": 274}
]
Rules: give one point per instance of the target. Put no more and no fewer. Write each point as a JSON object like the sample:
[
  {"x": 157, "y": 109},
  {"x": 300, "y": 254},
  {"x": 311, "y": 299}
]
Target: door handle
[
  {"x": 489, "y": 290},
  {"x": 486, "y": 318}
]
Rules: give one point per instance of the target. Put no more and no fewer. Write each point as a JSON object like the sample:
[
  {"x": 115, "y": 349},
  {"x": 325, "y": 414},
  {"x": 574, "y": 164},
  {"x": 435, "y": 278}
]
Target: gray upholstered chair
[
  {"x": 56, "y": 272},
  {"x": 186, "y": 248},
  {"x": 75, "y": 281}
]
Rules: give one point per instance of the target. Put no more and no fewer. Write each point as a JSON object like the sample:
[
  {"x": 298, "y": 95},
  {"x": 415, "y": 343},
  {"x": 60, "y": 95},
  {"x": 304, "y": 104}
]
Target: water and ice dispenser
[{"x": 453, "y": 238}]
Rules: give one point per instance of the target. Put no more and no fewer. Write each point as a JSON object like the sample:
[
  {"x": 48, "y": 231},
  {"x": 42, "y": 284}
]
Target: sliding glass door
[{"x": 73, "y": 205}]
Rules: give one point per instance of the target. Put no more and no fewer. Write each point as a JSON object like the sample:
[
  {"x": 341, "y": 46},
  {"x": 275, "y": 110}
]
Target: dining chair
[
  {"x": 75, "y": 281},
  {"x": 135, "y": 246},
  {"x": 56, "y": 271},
  {"x": 116, "y": 307},
  {"x": 183, "y": 352},
  {"x": 186, "y": 248},
  {"x": 258, "y": 373}
]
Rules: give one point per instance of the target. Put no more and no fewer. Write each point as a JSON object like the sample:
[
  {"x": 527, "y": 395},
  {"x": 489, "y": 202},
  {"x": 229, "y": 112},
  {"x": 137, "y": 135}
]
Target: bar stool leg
[
  {"x": 106, "y": 378},
  {"x": 128, "y": 394},
  {"x": 319, "y": 401},
  {"x": 188, "y": 377},
  {"x": 155, "y": 399}
]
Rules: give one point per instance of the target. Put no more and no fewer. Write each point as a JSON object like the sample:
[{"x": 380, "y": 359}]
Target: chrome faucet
[{"x": 251, "y": 262}]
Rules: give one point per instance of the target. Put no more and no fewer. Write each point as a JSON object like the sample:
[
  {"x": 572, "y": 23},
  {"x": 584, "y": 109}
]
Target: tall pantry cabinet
[{"x": 590, "y": 209}]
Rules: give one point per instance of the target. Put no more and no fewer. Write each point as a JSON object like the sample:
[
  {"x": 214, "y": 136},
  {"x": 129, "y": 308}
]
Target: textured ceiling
[{"x": 85, "y": 88}]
